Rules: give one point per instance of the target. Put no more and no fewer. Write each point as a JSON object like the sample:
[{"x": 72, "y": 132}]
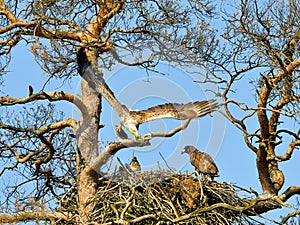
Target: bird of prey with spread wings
[
  {"x": 131, "y": 119},
  {"x": 202, "y": 162}
]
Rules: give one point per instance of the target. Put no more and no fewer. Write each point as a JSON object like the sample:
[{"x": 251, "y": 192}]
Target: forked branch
[
  {"x": 113, "y": 147},
  {"x": 289, "y": 151}
]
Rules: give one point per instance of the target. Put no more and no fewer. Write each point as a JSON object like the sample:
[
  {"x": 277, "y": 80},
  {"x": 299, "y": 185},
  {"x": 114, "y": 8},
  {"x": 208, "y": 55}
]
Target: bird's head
[
  {"x": 133, "y": 129},
  {"x": 118, "y": 128},
  {"x": 134, "y": 159},
  {"x": 188, "y": 149},
  {"x": 130, "y": 124}
]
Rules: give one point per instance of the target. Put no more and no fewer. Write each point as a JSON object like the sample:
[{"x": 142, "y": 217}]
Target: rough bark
[
  {"x": 88, "y": 141},
  {"x": 32, "y": 215}
]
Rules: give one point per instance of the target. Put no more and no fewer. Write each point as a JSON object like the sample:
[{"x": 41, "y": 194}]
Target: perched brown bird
[
  {"x": 30, "y": 90},
  {"x": 202, "y": 162},
  {"x": 135, "y": 165},
  {"x": 120, "y": 132}
]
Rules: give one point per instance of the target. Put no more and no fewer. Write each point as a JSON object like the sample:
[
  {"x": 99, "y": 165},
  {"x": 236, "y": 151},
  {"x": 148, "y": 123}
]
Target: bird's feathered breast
[
  {"x": 204, "y": 163},
  {"x": 175, "y": 111}
]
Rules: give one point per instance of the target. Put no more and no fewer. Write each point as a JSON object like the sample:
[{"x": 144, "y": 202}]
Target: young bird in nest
[{"x": 135, "y": 165}]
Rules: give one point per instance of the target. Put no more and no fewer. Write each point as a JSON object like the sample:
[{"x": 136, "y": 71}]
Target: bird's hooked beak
[
  {"x": 136, "y": 134},
  {"x": 183, "y": 151}
]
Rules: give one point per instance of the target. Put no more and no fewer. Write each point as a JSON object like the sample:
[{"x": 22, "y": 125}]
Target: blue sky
[{"x": 214, "y": 135}]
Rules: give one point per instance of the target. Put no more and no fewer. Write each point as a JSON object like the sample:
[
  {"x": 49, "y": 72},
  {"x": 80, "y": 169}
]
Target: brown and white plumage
[
  {"x": 202, "y": 162},
  {"x": 131, "y": 119},
  {"x": 135, "y": 165},
  {"x": 175, "y": 111}
]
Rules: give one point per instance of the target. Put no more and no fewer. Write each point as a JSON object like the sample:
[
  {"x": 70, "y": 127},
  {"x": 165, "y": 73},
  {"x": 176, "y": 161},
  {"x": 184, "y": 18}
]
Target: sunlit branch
[
  {"x": 56, "y": 21},
  {"x": 21, "y": 158},
  {"x": 34, "y": 28},
  {"x": 14, "y": 25},
  {"x": 47, "y": 143},
  {"x": 291, "y": 47},
  {"x": 288, "y": 69},
  {"x": 290, "y": 215},
  {"x": 113, "y": 147},
  {"x": 172, "y": 132},
  {"x": 51, "y": 96},
  {"x": 291, "y": 191},
  {"x": 33, "y": 215},
  {"x": 10, "y": 43},
  {"x": 248, "y": 209},
  {"x": 107, "y": 10},
  {"x": 4, "y": 10},
  {"x": 69, "y": 122},
  {"x": 289, "y": 151}
]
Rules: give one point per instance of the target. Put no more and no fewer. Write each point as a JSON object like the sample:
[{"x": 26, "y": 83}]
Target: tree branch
[
  {"x": 248, "y": 209},
  {"x": 267, "y": 205},
  {"x": 291, "y": 191},
  {"x": 289, "y": 151},
  {"x": 33, "y": 215},
  {"x": 108, "y": 9},
  {"x": 47, "y": 144},
  {"x": 69, "y": 122},
  {"x": 144, "y": 140},
  {"x": 290, "y": 215},
  {"x": 51, "y": 96},
  {"x": 113, "y": 147},
  {"x": 4, "y": 10},
  {"x": 172, "y": 132},
  {"x": 238, "y": 123},
  {"x": 277, "y": 111}
]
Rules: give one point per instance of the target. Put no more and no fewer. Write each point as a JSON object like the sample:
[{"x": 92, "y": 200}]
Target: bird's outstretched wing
[{"x": 175, "y": 110}]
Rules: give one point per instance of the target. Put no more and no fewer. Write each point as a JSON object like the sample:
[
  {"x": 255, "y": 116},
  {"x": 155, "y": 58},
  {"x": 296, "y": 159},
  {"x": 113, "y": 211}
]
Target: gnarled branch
[
  {"x": 113, "y": 147},
  {"x": 51, "y": 96},
  {"x": 289, "y": 151},
  {"x": 33, "y": 215},
  {"x": 69, "y": 122}
]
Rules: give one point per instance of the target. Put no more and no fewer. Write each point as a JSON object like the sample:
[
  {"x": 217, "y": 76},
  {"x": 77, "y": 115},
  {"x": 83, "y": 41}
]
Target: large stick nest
[{"x": 159, "y": 197}]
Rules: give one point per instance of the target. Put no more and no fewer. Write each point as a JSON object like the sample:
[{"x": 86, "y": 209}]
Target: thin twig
[{"x": 166, "y": 162}]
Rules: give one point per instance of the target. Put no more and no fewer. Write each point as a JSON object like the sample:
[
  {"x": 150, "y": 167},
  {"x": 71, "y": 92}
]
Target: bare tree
[
  {"x": 58, "y": 156},
  {"x": 68, "y": 38},
  {"x": 260, "y": 43}
]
